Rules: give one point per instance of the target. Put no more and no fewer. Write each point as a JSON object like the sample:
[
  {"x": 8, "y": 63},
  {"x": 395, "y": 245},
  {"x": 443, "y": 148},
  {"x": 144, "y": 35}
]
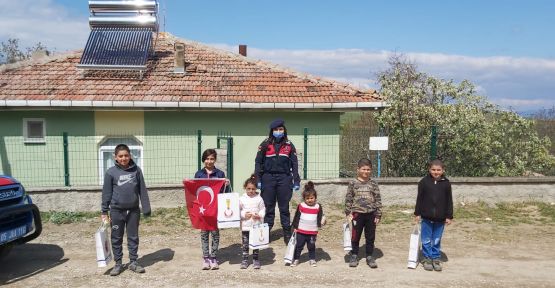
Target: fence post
[
  {"x": 199, "y": 146},
  {"x": 433, "y": 143},
  {"x": 380, "y": 134},
  {"x": 230, "y": 161},
  {"x": 66, "y": 160},
  {"x": 305, "y": 151}
]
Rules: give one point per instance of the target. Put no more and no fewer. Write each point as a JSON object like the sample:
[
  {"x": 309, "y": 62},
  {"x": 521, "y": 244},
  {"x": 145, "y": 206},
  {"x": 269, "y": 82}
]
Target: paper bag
[
  {"x": 414, "y": 247},
  {"x": 103, "y": 246},
  {"x": 259, "y": 236},
  {"x": 228, "y": 210},
  {"x": 290, "y": 249},
  {"x": 347, "y": 246}
]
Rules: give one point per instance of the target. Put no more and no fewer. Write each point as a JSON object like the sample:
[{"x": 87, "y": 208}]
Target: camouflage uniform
[{"x": 364, "y": 202}]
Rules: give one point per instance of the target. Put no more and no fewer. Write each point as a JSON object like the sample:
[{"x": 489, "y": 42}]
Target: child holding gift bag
[
  {"x": 363, "y": 206},
  {"x": 252, "y": 212},
  {"x": 434, "y": 208},
  {"x": 124, "y": 187},
  {"x": 308, "y": 218}
]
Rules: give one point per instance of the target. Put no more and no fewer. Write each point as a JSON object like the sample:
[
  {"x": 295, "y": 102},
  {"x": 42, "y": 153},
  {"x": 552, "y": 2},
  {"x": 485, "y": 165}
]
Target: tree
[
  {"x": 11, "y": 53},
  {"x": 475, "y": 137}
]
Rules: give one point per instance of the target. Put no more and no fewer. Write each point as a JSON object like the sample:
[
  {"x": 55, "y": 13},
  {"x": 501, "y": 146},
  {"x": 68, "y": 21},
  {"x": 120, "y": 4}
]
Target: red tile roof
[{"x": 213, "y": 78}]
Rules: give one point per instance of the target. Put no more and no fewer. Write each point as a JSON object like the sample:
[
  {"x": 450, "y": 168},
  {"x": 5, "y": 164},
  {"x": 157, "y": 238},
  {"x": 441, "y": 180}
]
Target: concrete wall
[{"x": 395, "y": 191}]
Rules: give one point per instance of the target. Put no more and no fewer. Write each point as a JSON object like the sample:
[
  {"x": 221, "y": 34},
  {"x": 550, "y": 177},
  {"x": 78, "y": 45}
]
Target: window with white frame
[
  {"x": 34, "y": 130},
  {"x": 106, "y": 153}
]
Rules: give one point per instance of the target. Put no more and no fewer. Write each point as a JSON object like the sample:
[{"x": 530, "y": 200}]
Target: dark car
[{"x": 19, "y": 218}]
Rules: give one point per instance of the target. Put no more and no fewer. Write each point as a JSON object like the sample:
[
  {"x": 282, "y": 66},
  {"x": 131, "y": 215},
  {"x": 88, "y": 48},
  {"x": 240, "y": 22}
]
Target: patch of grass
[
  {"x": 397, "y": 214},
  {"x": 507, "y": 213},
  {"x": 67, "y": 217},
  {"x": 547, "y": 210},
  {"x": 174, "y": 217}
]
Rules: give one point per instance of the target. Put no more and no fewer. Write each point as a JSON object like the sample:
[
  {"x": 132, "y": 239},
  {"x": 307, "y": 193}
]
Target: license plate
[{"x": 12, "y": 234}]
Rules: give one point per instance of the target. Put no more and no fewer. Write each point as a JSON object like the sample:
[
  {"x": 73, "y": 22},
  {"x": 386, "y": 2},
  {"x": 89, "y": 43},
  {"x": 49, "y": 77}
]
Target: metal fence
[
  {"x": 77, "y": 160},
  {"x": 69, "y": 160}
]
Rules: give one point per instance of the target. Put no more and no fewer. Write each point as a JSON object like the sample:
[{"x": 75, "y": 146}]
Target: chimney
[
  {"x": 243, "y": 50},
  {"x": 179, "y": 60}
]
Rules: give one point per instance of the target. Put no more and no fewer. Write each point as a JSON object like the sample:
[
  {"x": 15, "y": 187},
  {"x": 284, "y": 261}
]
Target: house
[{"x": 59, "y": 123}]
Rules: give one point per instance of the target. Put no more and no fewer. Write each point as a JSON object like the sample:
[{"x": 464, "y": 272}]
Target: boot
[
  {"x": 118, "y": 268},
  {"x": 286, "y": 234}
]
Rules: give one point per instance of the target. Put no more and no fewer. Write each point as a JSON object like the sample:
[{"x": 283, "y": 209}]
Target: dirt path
[{"x": 476, "y": 255}]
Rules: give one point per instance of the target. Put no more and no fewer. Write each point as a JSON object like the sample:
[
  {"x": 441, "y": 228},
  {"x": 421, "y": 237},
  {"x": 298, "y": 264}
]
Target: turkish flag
[{"x": 201, "y": 196}]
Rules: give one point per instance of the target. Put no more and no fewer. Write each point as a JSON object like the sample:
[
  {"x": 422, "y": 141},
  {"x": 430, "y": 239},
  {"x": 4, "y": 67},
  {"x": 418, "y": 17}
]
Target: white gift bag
[
  {"x": 228, "y": 210},
  {"x": 259, "y": 236},
  {"x": 290, "y": 249},
  {"x": 414, "y": 247},
  {"x": 103, "y": 246},
  {"x": 347, "y": 246}
]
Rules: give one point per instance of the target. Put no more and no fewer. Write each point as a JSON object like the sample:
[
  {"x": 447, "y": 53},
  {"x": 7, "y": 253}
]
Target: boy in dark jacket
[
  {"x": 434, "y": 207},
  {"x": 124, "y": 186}
]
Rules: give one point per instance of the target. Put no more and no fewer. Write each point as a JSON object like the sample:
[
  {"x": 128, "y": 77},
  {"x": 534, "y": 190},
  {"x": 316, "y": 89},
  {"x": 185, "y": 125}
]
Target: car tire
[{"x": 4, "y": 250}]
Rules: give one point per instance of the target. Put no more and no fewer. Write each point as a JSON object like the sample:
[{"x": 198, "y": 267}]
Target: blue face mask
[{"x": 277, "y": 134}]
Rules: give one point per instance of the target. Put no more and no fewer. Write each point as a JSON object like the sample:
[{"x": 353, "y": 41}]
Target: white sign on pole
[{"x": 379, "y": 143}]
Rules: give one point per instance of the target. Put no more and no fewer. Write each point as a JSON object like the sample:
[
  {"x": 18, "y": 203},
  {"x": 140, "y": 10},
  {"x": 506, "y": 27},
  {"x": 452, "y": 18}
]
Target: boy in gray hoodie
[{"x": 124, "y": 186}]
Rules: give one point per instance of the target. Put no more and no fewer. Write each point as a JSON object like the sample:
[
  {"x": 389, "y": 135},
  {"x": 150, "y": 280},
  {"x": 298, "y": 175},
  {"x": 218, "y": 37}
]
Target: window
[
  {"x": 34, "y": 130},
  {"x": 106, "y": 153}
]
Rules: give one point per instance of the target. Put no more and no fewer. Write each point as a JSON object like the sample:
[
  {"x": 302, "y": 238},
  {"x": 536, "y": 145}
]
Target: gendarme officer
[{"x": 277, "y": 169}]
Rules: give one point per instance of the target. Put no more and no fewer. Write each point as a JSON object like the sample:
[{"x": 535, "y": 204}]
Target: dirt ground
[{"x": 483, "y": 254}]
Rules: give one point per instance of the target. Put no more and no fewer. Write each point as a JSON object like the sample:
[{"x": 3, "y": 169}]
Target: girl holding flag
[{"x": 209, "y": 260}]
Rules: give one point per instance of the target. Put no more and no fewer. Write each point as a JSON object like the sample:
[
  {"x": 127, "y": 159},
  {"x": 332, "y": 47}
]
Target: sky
[{"x": 505, "y": 47}]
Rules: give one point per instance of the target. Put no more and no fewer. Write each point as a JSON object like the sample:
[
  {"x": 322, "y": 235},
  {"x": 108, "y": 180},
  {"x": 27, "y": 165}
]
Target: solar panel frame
[{"x": 124, "y": 48}]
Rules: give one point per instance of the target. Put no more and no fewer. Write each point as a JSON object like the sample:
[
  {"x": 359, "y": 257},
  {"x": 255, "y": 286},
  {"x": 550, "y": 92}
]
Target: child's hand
[
  {"x": 350, "y": 217},
  {"x": 416, "y": 219},
  {"x": 323, "y": 222},
  {"x": 448, "y": 221},
  {"x": 255, "y": 216},
  {"x": 248, "y": 215}
]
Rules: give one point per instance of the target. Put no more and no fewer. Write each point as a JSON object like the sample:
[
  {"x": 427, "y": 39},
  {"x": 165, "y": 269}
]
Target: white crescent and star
[{"x": 205, "y": 189}]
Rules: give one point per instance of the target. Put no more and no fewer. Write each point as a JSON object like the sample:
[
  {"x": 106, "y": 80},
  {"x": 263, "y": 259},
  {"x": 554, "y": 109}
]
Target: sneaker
[
  {"x": 312, "y": 263},
  {"x": 295, "y": 263},
  {"x": 244, "y": 264},
  {"x": 256, "y": 264},
  {"x": 427, "y": 264},
  {"x": 353, "y": 261},
  {"x": 136, "y": 267},
  {"x": 205, "y": 263},
  {"x": 437, "y": 265},
  {"x": 118, "y": 268},
  {"x": 371, "y": 262},
  {"x": 214, "y": 263}
]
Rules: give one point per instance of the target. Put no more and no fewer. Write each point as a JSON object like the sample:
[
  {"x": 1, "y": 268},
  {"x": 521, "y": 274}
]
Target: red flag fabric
[{"x": 201, "y": 196}]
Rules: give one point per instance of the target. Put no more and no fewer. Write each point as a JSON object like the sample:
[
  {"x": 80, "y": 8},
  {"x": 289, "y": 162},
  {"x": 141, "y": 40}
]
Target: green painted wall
[
  {"x": 170, "y": 144},
  {"x": 248, "y": 129},
  {"x": 42, "y": 164}
]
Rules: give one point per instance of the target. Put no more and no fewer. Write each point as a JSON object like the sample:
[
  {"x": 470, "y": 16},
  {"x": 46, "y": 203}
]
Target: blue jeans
[{"x": 431, "y": 232}]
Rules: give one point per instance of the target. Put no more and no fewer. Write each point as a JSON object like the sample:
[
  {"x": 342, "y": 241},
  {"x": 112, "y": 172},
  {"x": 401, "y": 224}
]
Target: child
[
  {"x": 363, "y": 206},
  {"x": 124, "y": 186},
  {"x": 252, "y": 212},
  {"x": 209, "y": 260},
  {"x": 434, "y": 206},
  {"x": 308, "y": 218}
]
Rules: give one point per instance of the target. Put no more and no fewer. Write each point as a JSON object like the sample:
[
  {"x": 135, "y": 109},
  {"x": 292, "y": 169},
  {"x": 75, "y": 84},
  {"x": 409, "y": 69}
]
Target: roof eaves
[{"x": 211, "y": 105}]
